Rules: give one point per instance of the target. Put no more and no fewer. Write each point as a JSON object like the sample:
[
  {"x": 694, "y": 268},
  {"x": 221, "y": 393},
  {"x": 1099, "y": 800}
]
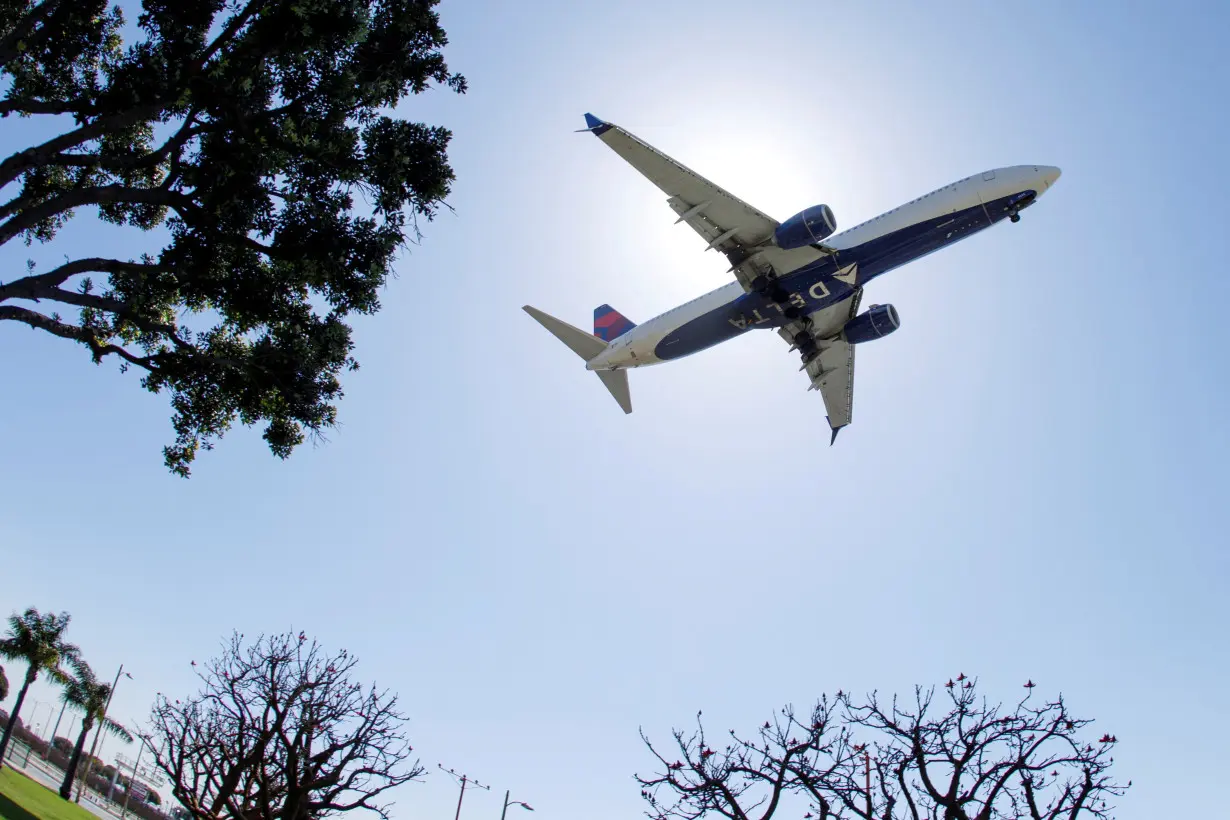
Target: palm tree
[
  {"x": 4, "y": 685},
  {"x": 87, "y": 693},
  {"x": 39, "y": 641}
]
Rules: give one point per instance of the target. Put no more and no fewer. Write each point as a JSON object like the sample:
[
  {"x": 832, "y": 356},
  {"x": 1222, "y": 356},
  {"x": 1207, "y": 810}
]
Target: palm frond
[
  {"x": 38, "y": 640},
  {"x": 118, "y": 730},
  {"x": 12, "y": 650},
  {"x": 81, "y": 669},
  {"x": 59, "y": 677},
  {"x": 69, "y": 652},
  {"x": 73, "y": 695}
]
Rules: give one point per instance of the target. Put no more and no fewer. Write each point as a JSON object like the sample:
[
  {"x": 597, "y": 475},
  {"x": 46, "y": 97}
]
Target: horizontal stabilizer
[
  {"x": 585, "y": 345},
  {"x": 617, "y": 382}
]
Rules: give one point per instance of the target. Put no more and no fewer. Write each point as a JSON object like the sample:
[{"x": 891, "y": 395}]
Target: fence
[{"x": 27, "y": 750}]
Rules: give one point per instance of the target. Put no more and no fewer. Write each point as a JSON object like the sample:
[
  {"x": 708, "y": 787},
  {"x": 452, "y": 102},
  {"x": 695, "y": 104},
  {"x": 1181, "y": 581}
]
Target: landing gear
[
  {"x": 805, "y": 343},
  {"x": 769, "y": 289},
  {"x": 1014, "y": 217}
]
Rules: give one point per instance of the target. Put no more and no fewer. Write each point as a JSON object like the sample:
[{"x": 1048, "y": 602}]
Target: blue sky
[{"x": 1029, "y": 488}]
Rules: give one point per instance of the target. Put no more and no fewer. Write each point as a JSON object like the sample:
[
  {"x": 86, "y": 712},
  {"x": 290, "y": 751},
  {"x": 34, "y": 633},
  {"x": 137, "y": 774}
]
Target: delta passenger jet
[{"x": 798, "y": 277}]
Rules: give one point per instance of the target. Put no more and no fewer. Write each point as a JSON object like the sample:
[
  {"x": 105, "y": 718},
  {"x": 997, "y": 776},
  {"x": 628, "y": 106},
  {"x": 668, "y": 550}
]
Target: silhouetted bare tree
[
  {"x": 956, "y": 759},
  {"x": 280, "y": 730}
]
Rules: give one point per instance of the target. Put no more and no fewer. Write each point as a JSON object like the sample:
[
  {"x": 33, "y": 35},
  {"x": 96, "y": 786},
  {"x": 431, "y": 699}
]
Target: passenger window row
[
  {"x": 685, "y": 304},
  {"x": 911, "y": 202}
]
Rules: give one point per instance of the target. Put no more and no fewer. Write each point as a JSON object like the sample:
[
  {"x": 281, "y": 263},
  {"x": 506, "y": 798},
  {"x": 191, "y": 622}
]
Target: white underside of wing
[
  {"x": 724, "y": 221},
  {"x": 832, "y": 372}
]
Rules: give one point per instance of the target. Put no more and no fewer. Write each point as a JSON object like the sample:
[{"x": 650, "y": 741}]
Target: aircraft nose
[{"x": 1049, "y": 174}]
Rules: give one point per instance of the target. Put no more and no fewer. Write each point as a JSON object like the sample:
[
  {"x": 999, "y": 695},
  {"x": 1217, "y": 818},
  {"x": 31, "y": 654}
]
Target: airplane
[{"x": 799, "y": 277}]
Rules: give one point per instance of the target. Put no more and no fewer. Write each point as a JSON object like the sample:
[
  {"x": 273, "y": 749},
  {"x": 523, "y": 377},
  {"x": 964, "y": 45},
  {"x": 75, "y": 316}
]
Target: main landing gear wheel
[
  {"x": 769, "y": 289},
  {"x": 1014, "y": 218},
  {"x": 807, "y": 346}
]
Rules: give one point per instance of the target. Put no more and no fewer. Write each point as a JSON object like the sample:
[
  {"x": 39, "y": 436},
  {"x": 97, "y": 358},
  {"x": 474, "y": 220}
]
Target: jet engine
[
  {"x": 807, "y": 227},
  {"x": 878, "y": 321}
]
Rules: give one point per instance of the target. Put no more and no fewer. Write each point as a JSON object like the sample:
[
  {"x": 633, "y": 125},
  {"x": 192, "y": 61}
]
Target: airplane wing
[
  {"x": 726, "y": 222},
  {"x": 832, "y": 372}
]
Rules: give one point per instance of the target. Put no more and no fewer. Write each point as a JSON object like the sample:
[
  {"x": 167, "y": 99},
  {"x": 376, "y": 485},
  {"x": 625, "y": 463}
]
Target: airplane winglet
[
  {"x": 836, "y": 430},
  {"x": 595, "y": 126}
]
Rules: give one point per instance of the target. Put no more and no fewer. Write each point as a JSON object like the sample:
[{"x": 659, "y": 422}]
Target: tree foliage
[
  {"x": 38, "y": 640},
  {"x": 243, "y": 130},
  {"x": 279, "y": 729},
  {"x": 86, "y": 693},
  {"x": 957, "y": 759}
]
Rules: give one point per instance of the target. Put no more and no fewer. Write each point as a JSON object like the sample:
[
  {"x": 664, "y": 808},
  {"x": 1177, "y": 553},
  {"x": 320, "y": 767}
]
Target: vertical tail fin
[{"x": 610, "y": 324}]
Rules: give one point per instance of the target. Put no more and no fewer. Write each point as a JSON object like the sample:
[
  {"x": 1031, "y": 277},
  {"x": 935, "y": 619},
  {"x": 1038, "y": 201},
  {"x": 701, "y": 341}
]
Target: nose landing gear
[{"x": 1014, "y": 213}]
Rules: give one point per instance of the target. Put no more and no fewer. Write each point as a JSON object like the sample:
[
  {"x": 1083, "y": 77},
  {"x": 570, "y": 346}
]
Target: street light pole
[
  {"x": 525, "y": 806},
  {"x": 131, "y": 780},
  {"x": 51, "y": 707},
  {"x": 101, "y": 721},
  {"x": 51, "y": 742}
]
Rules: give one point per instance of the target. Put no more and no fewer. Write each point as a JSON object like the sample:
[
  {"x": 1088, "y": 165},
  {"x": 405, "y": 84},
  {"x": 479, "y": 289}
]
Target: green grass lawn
[{"x": 23, "y": 799}]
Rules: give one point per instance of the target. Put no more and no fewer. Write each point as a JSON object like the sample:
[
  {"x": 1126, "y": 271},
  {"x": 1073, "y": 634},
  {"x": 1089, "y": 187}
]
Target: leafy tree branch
[{"x": 241, "y": 131}]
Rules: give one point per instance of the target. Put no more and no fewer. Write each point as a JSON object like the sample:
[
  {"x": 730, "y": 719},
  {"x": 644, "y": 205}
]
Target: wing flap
[{"x": 832, "y": 372}]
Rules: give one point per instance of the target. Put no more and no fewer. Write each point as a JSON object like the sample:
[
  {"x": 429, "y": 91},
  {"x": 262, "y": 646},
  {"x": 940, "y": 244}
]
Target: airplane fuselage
[{"x": 864, "y": 252}]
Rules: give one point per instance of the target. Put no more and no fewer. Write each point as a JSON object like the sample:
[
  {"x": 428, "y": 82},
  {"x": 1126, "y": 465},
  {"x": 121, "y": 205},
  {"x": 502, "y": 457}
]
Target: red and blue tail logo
[{"x": 610, "y": 324}]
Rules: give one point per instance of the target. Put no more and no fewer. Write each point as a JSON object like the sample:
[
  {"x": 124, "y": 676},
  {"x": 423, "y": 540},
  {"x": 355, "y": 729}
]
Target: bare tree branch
[
  {"x": 74, "y": 106},
  {"x": 993, "y": 764},
  {"x": 36, "y": 287},
  {"x": 84, "y": 335},
  {"x": 280, "y": 729}
]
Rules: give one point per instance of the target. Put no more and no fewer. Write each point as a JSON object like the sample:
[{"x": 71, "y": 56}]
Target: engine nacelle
[
  {"x": 808, "y": 227},
  {"x": 876, "y": 323}
]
